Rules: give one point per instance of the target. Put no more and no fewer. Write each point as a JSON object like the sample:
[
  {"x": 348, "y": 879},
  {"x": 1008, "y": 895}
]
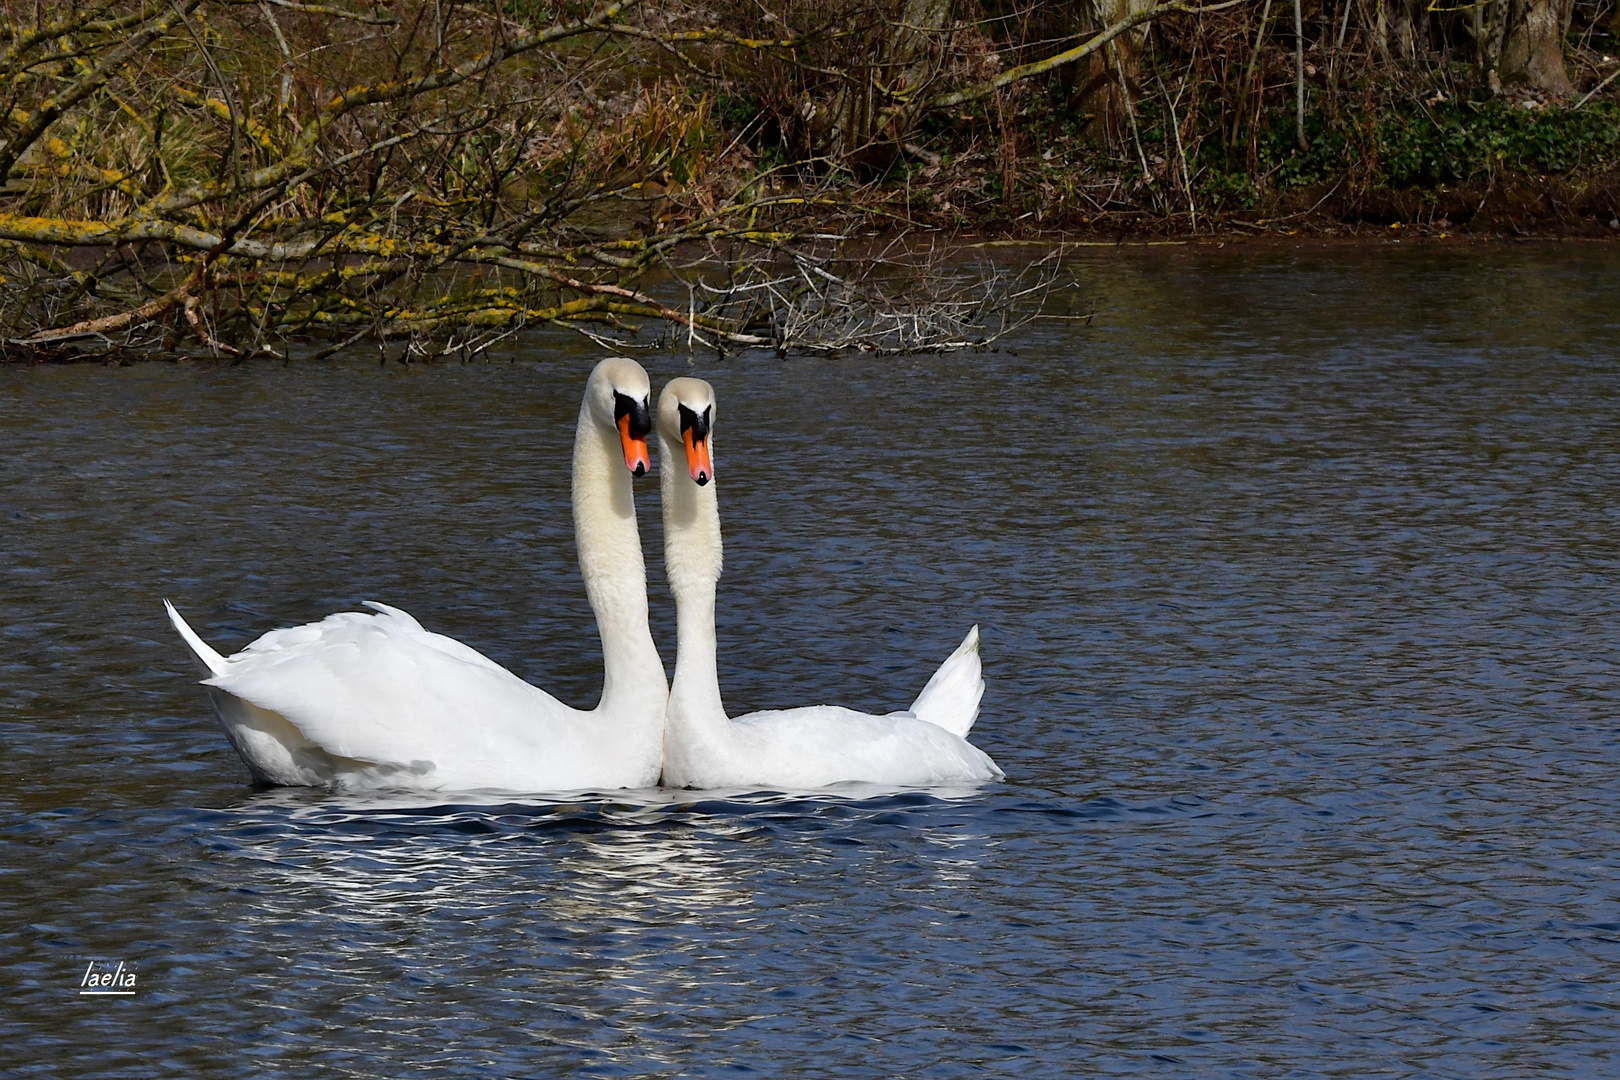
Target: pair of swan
[{"x": 366, "y": 701}]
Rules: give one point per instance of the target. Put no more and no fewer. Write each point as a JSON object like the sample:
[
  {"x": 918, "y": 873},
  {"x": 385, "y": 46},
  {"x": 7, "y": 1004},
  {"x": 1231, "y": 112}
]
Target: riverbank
[
  {"x": 734, "y": 177},
  {"x": 1486, "y": 169},
  {"x": 1080, "y": 256}
]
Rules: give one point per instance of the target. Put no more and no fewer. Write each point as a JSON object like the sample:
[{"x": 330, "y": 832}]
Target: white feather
[
  {"x": 789, "y": 749},
  {"x": 376, "y": 701}
]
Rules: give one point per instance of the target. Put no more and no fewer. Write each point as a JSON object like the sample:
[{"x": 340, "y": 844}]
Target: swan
[
  {"x": 368, "y": 701},
  {"x": 789, "y": 748}
]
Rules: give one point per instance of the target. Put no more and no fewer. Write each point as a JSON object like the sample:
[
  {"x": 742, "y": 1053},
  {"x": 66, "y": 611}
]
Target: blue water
[{"x": 1298, "y": 574}]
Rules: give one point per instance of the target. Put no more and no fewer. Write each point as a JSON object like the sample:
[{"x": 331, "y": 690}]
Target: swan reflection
[{"x": 649, "y": 856}]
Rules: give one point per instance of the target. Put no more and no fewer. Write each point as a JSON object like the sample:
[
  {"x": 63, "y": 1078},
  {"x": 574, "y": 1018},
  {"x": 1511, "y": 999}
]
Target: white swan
[
  {"x": 790, "y": 748},
  {"x": 376, "y": 701}
]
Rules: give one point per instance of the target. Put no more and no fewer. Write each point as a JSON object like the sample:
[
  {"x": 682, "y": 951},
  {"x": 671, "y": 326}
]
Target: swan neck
[
  {"x": 692, "y": 562},
  {"x": 610, "y": 561},
  {"x": 696, "y": 689}
]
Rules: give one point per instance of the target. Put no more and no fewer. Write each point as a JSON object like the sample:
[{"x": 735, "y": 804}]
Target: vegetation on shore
[
  {"x": 1369, "y": 136},
  {"x": 280, "y": 177}
]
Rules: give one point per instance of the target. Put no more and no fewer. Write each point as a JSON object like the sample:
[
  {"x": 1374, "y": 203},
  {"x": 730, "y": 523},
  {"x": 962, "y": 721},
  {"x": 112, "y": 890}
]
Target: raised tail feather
[
  {"x": 208, "y": 659},
  {"x": 951, "y": 698}
]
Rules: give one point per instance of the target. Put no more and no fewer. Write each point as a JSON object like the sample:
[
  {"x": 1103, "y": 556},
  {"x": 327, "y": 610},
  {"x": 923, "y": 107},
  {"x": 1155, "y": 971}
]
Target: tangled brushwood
[
  {"x": 265, "y": 177},
  {"x": 274, "y": 177},
  {"x": 248, "y": 178},
  {"x": 239, "y": 176}
]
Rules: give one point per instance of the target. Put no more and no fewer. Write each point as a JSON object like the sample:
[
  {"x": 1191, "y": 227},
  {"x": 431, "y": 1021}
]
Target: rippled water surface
[{"x": 1298, "y": 577}]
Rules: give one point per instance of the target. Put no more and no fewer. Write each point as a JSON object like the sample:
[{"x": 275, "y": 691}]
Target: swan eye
[
  {"x": 697, "y": 423},
  {"x": 638, "y": 411}
]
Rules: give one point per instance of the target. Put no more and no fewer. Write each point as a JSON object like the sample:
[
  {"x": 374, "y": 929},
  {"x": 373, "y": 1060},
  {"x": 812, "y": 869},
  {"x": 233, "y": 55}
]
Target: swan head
[
  {"x": 618, "y": 396},
  {"x": 686, "y": 419}
]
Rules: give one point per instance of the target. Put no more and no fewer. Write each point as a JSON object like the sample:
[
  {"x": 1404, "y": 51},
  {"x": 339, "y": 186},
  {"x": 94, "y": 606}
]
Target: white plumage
[
  {"x": 790, "y": 748},
  {"x": 376, "y": 701}
]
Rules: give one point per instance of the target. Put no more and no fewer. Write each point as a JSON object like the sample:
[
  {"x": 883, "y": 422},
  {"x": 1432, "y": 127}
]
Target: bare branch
[{"x": 1079, "y": 52}]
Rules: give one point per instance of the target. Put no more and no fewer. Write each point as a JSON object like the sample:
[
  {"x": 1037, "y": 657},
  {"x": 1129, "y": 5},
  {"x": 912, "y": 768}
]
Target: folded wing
[{"x": 381, "y": 689}]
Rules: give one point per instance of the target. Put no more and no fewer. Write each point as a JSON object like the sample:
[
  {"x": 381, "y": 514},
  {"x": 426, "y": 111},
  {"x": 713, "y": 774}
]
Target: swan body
[
  {"x": 375, "y": 700},
  {"x": 784, "y": 748}
]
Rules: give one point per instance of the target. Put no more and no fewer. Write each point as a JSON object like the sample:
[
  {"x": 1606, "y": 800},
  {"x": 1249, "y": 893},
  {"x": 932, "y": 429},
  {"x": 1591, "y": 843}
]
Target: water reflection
[{"x": 640, "y": 855}]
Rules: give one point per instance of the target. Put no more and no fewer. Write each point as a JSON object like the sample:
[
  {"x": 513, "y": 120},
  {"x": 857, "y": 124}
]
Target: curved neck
[
  {"x": 615, "y": 576},
  {"x": 692, "y": 562}
]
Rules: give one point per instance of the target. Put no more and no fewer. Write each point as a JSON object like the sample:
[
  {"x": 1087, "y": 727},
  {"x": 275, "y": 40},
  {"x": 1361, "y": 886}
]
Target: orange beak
[
  {"x": 698, "y": 462},
  {"x": 636, "y": 457}
]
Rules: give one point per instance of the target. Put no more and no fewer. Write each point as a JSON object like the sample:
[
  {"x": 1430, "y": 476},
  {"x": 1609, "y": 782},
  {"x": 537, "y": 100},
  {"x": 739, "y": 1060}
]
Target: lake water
[{"x": 1299, "y": 575}]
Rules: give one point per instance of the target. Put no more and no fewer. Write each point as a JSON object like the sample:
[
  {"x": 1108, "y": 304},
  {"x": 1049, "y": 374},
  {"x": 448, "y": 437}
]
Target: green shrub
[{"x": 1457, "y": 141}]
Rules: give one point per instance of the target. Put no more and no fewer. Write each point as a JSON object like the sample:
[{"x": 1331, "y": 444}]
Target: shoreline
[{"x": 1255, "y": 236}]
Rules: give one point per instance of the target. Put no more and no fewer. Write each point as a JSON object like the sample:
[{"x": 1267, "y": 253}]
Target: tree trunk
[
  {"x": 919, "y": 40},
  {"x": 1098, "y": 86},
  {"x": 1521, "y": 43},
  {"x": 1399, "y": 27},
  {"x": 1535, "y": 46},
  {"x": 904, "y": 52}
]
